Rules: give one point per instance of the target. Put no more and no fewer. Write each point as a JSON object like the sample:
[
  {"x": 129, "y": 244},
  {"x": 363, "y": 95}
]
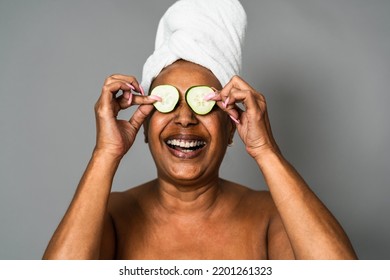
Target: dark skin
[{"x": 188, "y": 211}]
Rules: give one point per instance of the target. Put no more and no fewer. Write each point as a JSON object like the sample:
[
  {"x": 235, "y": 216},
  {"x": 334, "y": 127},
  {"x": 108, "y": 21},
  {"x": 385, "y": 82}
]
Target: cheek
[
  {"x": 219, "y": 126},
  {"x": 156, "y": 123}
]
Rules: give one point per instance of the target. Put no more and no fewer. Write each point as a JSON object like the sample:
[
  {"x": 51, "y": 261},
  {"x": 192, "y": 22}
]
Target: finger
[
  {"x": 128, "y": 99},
  {"x": 121, "y": 77},
  {"x": 108, "y": 94},
  {"x": 235, "y": 82},
  {"x": 145, "y": 100},
  {"x": 140, "y": 115},
  {"x": 253, "y": 102},
  {"x": 228, "y": 104},
  {"x": 233, "y": 111},
  {"x": 125, "y": 100},
  {"x": 250, "y": 100},
  {"x": 215, "y": 96},
  {"x": 234, "y": 115},
  {"x": 128, "y": 79}
]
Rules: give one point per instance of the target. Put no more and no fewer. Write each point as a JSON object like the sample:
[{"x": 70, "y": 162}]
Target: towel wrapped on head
[{"x": 206, "y": 32}]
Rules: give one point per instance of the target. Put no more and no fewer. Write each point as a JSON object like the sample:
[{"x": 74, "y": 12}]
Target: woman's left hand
[{"x": 252, "y": 123}]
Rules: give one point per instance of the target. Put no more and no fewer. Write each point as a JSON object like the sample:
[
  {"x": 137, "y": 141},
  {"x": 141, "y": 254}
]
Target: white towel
[{"x": 206, "y": 32}]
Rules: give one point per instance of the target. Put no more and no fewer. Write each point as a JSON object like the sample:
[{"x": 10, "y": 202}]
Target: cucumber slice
[
  {"x": 169, "y": 95},
  {"x": 195, "y": 99}
]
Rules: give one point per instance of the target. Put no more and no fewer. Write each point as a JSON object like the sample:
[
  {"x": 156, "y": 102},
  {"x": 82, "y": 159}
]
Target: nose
[{"x": 184, "y": 116}]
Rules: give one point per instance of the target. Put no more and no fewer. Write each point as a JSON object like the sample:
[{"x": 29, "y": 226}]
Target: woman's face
[{"x": 187, "y": 147}]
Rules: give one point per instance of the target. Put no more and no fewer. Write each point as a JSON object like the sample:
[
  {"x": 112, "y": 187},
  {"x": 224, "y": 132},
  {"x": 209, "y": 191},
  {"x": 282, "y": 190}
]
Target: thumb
[{"x": 140, "y": 115}]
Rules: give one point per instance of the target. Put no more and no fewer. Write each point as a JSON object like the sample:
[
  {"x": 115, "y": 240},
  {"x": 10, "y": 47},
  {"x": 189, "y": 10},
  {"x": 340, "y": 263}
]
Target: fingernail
[
  {"x": 130, "y": 99},
  {"x": 156, "y": 98},
  {"x": 142, "y": 90},
  {"x": 226, "y": 102},
  {"x": 130, "y": 86},
  {"x": 234, "y": 119},
  {"x": 209, "y": 96}
]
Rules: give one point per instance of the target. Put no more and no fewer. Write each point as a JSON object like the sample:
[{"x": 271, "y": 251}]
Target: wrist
[
  {"x": 267, "y": 155},
  {"x": 107, "y": 156}
]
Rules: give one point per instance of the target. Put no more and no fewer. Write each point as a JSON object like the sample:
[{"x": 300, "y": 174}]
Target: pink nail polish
[
  {"x": 156, "y": 98},
  {"x": 209, "y": 96},
  {"x": 142, "y": 90},
  {"x": 234, "y": 119},
  {"x": 226, "y": 102},
  {"x": 130, "y": 86},
  {"x": 130, "y": 99}
]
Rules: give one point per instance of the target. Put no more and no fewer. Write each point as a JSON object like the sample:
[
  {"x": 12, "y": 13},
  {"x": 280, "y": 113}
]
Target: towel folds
[{"x": 206, "y": 32}]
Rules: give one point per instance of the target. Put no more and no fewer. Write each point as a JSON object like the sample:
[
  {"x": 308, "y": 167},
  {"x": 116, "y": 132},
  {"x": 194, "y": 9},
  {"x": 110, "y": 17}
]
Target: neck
[{"x": 184, "y": 199}]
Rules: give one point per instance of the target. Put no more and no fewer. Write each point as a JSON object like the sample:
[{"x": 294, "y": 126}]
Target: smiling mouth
[{"x": 185, "y": 146}]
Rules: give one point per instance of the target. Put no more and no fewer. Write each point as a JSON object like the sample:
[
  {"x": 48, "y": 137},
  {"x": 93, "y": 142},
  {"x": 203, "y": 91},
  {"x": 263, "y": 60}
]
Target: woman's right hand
[{"x": 115, "y": 137}]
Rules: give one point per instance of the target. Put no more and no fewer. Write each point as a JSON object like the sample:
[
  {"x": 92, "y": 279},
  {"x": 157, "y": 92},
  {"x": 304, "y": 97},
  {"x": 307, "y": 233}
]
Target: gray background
[{"x": 323, "y": 66}]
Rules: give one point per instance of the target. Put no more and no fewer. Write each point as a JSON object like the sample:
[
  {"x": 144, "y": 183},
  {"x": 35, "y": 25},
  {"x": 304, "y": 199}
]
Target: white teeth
[{"x": 185, "y": 143}]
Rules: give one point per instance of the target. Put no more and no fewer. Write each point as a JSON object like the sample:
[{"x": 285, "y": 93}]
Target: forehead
[{"x": 184, "y": 74}]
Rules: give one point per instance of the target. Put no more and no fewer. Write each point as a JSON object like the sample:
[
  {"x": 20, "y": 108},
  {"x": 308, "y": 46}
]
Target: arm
[
  {"x": 80, "y": 233},
  {"x": 310, "y": 227},
  {"x": 312, "y": 230}
]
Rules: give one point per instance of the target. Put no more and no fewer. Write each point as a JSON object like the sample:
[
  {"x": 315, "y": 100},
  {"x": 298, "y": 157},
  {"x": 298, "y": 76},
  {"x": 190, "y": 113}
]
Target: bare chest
[{"x": 192, "y": 240}]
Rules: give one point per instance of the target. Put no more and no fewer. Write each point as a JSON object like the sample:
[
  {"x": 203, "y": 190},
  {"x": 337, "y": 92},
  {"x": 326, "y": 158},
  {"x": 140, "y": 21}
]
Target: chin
[{"x": 186, "y": 174}]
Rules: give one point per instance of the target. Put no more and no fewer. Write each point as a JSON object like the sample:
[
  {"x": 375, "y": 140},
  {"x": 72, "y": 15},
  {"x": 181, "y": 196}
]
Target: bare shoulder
[
  {"x": 256, "y": 201},
  {"x": 265, "y": 218},
  {"x": 255, "y": 205},
  {"x": 131, "y": 200},
  {"x": 123, "y": 210}
]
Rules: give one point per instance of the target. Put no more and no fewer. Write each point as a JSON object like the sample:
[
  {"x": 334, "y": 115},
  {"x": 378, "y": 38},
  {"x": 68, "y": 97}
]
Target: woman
[{"x": 188, "y": 211}]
